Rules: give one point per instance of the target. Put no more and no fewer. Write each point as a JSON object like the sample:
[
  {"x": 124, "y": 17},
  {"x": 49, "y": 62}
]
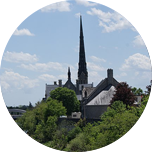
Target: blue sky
[{"x": 46, "y": 43}]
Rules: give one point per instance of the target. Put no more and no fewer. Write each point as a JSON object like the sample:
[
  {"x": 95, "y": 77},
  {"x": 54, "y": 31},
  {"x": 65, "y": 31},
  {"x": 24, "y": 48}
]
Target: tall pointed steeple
[
  {"x": 69, "y": 74},
  {"x": 82, "y": 66}
]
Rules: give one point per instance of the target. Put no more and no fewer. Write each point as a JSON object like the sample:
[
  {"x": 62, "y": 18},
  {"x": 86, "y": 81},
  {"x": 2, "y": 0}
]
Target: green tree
[
  {"x": 40, "y": 122},
  {"x": 64, "y": 133},
  {"x": 85, "y": 140},
  {"x": 30, "y": 106},
  {"x": 117, "y": 121},
  {"x": 136, "y": 91},
  {"x": 28, "y": 122},
  {"x": 68, "y": 98}
]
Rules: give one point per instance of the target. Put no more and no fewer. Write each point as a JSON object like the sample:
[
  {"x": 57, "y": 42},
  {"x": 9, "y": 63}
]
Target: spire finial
[
  {"x": 69, "y": 74},
  {"x": 82, "y": 66},
  {"x": 81, "y": 29}
]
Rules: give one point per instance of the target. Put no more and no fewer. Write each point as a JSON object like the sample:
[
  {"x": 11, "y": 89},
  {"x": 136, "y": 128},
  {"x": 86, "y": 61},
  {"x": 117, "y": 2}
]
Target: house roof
[
  {"x": 102, "y": 86},
  {"x": 104, "y": 97}
]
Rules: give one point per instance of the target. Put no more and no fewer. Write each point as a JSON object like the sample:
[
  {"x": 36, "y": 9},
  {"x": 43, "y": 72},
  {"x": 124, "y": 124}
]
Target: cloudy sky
[{"x": 43, "y": 47}]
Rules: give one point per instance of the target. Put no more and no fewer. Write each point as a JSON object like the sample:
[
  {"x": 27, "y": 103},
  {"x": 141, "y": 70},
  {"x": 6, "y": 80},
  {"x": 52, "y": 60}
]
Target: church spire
[
  {"x": 69, "y": 74},
  {"x": 82, "y": 69}
]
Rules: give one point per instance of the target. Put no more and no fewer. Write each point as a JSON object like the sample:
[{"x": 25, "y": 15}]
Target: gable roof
[
  {"x": 102, "y": 86},
  {"x": 70, "y": 85},
  {"x": 104, "y": 97}
]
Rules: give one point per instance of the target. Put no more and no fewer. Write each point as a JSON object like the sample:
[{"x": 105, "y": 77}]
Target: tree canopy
[
  {"x": 40, "y": 122},
  {"x": 68, "y": 98},
  {"x": 136, "y": 91},
  {"x": 123, "y": 93},
  {"x": 116, "y": 122}
]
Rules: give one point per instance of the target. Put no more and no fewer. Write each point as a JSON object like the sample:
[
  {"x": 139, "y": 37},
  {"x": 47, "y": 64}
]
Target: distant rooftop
[{"x": 3, "y": 107}]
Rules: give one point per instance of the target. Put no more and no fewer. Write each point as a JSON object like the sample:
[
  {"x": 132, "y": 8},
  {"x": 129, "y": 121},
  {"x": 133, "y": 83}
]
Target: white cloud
[
  {"x": 23, "y": 32},
  {"x": 138, "y": 41},
  {"x": 94, "y": 67},
  {"x": 85, "y": 3},
  {"x": 123, "y": 74},
  {"x": 13, "y": 30},
  {"x": 4, "y": 84},
  {"x": 19, "y": 57},
  {"x": 60, "y": 6},
  {"x": 47, "y": 77},
  {"x": 64, "y": 77},
  {"x": 146, "y": 75},
  {"x": 77, "y": 14},
  {"x": 96, "y": 59},
  {"x": 50, "y": 66},
  {"x": 12, "y": 80},
  {"x": 110, "y": 21},
  {"x": 95, "y": 77},
  {"x": 137, "y": 61}
]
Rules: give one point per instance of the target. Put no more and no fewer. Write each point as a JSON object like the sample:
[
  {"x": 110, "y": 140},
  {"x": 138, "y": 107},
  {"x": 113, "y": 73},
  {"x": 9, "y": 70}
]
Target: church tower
[{"x": 82, "y": 66}]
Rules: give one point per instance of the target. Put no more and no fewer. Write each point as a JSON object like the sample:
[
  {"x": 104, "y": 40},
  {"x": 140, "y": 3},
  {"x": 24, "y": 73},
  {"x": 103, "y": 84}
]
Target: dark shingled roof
[{"x": 103, "y": 85}]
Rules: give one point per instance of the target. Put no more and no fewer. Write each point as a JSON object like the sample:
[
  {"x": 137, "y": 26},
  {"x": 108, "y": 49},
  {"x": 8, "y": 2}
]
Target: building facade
[
  {"x": 94, "y": 100},
  {"x": 82, "y": 80}
]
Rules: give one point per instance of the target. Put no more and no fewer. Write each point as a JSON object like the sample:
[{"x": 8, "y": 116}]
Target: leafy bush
[
  {"x": 40, "y": 123},
  {"x": 73, "y": 133}
]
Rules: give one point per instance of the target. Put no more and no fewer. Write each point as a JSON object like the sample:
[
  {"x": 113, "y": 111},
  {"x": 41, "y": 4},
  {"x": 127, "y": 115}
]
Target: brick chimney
[
  {"x": 60, "y": 83},
  {"x": 110, "y": 76}
]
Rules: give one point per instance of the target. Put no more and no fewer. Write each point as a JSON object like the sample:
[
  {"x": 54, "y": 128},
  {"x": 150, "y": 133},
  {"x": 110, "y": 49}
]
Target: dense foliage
[
  {"x": 68, "y": 98},
  {"x": 63, "y": 135},
  {"x": 40, "y": 123},
  {"x": 136, "y": 91},
  {"x": 124, "y": 93},
  {"x": 114, "y": 124}
]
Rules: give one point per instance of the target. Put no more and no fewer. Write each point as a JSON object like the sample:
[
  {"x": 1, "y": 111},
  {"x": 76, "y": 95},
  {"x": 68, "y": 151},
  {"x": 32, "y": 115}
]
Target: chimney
[
  {"x": 55, "y": 83},
  {"x": 60, "y": 83},
  {"x": 110, "y": 76}
]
